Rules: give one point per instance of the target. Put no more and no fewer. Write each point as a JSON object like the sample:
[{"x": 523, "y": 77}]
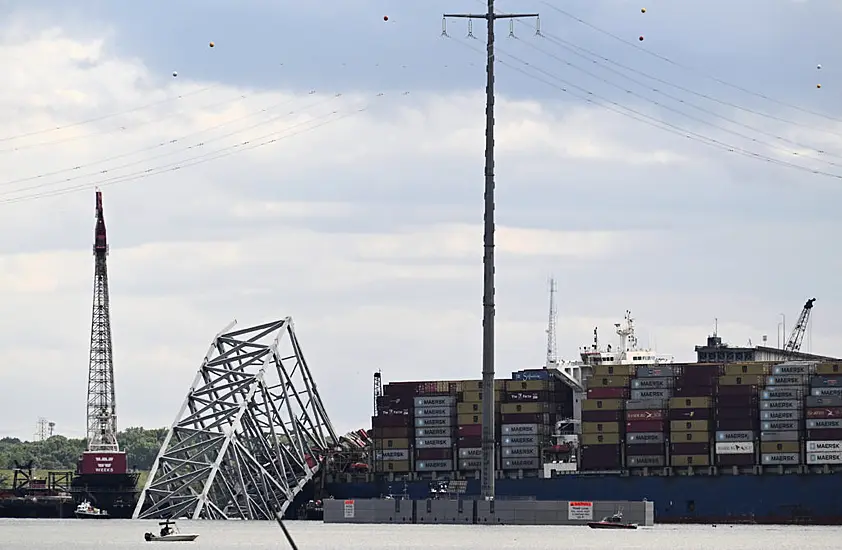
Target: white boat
[
  {"x": 169, "y": 533},
  {"x": 86, "y": 510}
]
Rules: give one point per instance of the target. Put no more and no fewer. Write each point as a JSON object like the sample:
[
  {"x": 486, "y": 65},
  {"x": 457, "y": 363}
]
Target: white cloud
[{"x": 366, "y": 230}]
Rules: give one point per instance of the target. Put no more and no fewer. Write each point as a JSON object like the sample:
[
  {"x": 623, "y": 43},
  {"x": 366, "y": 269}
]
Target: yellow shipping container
[
  {"x": 476, "y": 396},
  {"x": 528, "y": 408},
  {"x": 689, "y": 426},
  {"x": 780, "y": 447},
  {"x": 614, "y": 370},
  {"x": 829, "y": 368},
  {"x": 465, "y": 419},
  {"x": 736, "y": 369},
  {"x": 690, "y": 402},
  {"x": 527, "y": 385},
  {"x": 468, "y": 408},
  {"x": 608, "y": 382},
  {"x": 602, "y": 404},
  {"x": 600, "y": 427},
  {"x": 476, "y": 385},
  {"x": 689, "y": 437},
  {"x": 601, "y": 439},
  {"x": 742, "y": 380},
  {"x": 402, "y": 443},
  {"x": 392, "y": 466},
  {"x": 690, "y": 460}
]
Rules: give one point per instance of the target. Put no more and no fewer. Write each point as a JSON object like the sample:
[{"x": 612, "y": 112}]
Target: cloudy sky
[{"x": 321, "y": 163}]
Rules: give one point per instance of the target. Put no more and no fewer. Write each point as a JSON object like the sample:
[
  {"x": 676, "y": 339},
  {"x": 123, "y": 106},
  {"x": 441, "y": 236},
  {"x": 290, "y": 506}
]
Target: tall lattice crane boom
[{"x": 797, "y": 336}]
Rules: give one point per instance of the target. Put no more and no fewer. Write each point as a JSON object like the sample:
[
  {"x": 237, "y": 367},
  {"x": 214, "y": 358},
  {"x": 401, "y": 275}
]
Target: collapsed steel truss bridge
[{"x": 250, "y": 435}]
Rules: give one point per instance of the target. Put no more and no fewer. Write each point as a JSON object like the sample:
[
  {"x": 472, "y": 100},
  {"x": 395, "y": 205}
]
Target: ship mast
[
  {"x": 101, "y": 410},
  {"x": 552, "y": 345}
]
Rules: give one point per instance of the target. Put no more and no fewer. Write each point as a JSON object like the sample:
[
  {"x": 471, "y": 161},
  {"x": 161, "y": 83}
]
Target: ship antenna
[{"x": 552, "y": 346}]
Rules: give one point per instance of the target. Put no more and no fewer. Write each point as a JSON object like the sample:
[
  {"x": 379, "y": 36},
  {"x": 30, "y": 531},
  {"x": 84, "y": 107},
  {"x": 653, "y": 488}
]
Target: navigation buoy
[
  {"x": 640, "y": 38},
  {"x": 174, "y": 73},
  {"x": 642, "y": 10},
  {"x": 385, "y": 18},
  {"x": 211, "y": 44}
]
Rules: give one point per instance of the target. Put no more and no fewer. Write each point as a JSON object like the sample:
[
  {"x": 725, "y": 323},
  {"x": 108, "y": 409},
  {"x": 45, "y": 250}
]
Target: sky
[{"x": 321, "y": 163}]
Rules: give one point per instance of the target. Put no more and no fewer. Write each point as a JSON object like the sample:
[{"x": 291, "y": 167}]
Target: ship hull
[
  {"x": 117, "y": 494},
  {"x": 767, "y": 499}
]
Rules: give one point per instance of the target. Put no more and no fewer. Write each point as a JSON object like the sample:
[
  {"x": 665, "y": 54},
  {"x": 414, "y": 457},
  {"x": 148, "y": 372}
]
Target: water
[{"x": 126, "y": 534}]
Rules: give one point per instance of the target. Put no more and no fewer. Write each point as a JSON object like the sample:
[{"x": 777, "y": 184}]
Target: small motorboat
[
  {"x": 86, "y": 510},
  {"x": 169, "y": 533},
  {"x": 612, "y": 522}
]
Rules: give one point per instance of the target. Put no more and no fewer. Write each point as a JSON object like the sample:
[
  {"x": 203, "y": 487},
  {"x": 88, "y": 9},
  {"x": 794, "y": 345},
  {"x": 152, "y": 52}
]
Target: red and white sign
[
  {"x": 103, "y": 463},
  {"x": 582, "y": 511}
]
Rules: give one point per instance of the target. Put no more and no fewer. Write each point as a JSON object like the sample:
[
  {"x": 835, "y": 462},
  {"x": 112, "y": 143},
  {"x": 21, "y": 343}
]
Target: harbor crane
[{"x": 797, "y": 336}]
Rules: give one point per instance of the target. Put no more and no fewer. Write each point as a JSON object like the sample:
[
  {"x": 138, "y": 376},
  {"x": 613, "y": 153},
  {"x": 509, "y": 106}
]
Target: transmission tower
[
  {"x": 43, "y": 430},
  {"x": 552, "y": 346},
  {"x": 102, "y": 411},
  {"x": 488, "y": 309}
]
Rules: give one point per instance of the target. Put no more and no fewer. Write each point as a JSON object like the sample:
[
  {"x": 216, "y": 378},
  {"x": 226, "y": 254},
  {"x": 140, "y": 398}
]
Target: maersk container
[
  {"x": 447, "y": 401},
  {"x": 653, "y": 461},
  {"x": 824, "y": 446},
  {"x": 812, "y": 401},
  {"x": 644, "y": 415},
  {"x": 434, "y": 466},
  {"x": 392, "y": 454},
  {"x": 521, "y": 463},
  {"x": 434, "y": 432},
  {"x": 645, "y": 404},
  {"x": 645, "y": 438},
  {"x": 781, "y": 426},
  {"x": 473, "y": 452},
  {"x": 793, "y": 368},
  {"x": 787, "y": 380},
  {"x": 776, "y": 459},
  {"x": 521, "y": 429},
  {"x": 824, "y": 424},
  {"x": 433, "y": 442},
  {"x": 651, "y": 383},
  {"x": 781, "y": 404},
  {"x": 826, "y": 392},
  {"x": 781, "y": 415},
  {"x": 826, "y": 381},
  {"x": 531, "y": 451},
  {"x": 651, "y": 394},
  {"x": 819, "y": 458},
  {"x": 825, "y": 412},
  {"x": 655, "y": 372},
  {"x": 780, "y": 436},
  {"x": 735, "y": 448},
  {"x": 519, "y": 440},
  {"x": 646, "y": 449},
  {"x": 783, "y": 393},
  {"x": 434, "y": 422},
  {"x": 434, "y": 411},
  {"x": 470, "y": 464},
  {"x": 736, "y": 436}
]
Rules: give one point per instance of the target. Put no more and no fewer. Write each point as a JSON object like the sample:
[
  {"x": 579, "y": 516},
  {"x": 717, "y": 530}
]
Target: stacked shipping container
[
  {"x": 646, "y": 417},
  {"x": 782, "y": 414},
  {"x": 527, "y": 416},
  {"x": 435, "y": 427},
  {"x": 823, "y": 412},
  {"x": 603, "y": 425},
  {"x": 392, "y": 427},
  {"x": 469, "y": 422},
  {"x": 691, "y": 415},
  {"x": 737, "y": 414}
]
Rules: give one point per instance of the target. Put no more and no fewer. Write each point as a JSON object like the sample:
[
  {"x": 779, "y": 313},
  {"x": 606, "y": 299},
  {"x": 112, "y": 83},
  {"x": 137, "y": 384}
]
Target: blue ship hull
[{"x": 773, "y": 499}]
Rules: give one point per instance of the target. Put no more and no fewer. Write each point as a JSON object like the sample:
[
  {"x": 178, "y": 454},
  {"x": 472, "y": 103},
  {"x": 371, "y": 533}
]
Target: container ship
[{"x": 744, "y": 435}]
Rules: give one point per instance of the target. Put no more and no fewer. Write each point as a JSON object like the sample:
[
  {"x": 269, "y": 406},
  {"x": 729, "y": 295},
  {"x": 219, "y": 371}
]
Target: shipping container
[
  {"x": 527, "y": 396},
  {"x": 522, "y": 429},
  {"x": 600, "y": 439},
  {"x": 434, "y": 442},
  {"x": 689, "y": 426},
  {"x": 391, "y": 433},
  {"x": 645, "y": 415},
  {"x": 733, "y": 424},
  {"x": 823, "y": 457},
  {"x": 645, "y": 461},
  {"x": 601, "y": 427},
  {"x": 434, "y": 432},
  {"x": 531, "y": 374},
  {"x": 394, "y": 402},
  {"x": 690, "y": 437},
  {"x": 524, "y": 408},
  {"x": 737, "y": 369},
  {"x": 690, "y": 402},
  {"x": 799, "y": 368},
  {"x": 645, "y": 449},
  {"x": 690, "y": 414},
  {"x": 824, "y": 446},
  {"x": 651, "y": 383},
  {"x": 602, "y": 404},
  {"x": 469, "y": 442},
  {"x": 651, "y": 394},
  {"x": 829, "y": 368},
  {"x": 690, "y": 460},
  {"x": 826, "y": 392},
  {"x": 685, "y": 390},
  {"x": 400, "y": 443},
  {"x": 772, "y": 447},
  {"x": 824, "y": 434},
  {"x": 742, "y": 380},
  {"x": 655, "y": 372},
  {"x": 787, "y": 380},
  {"x": 737, "y": 390},
  {"x": 469, "y": 419},
  {"x": 783, "y": 392},
  {"x": 447, "y": 401},
  {"x": 608, "y": 382},
  {"x": 725, "y": 461},
  {"x": 781, "y": 404},
  {"x": 434, "y": 411},
  {"x": 608, "y": 393},
  {"x": 601, "y": 464},
  {"x": 735, "y": 412},
  {"x": 780, "y": 459},
  {"x": 434, "y": 422},
  {"x": 599, "y": 452},
  {"x": 735, "y": 448},
  {"x": 824, "y": 424},
  {"x": 434, "y": 454},
  {"x": 641, "y": 438},
  {"x": 825, "y": 412},
  {"x": 476, "y": 396},
  {"x": 826, "y": 381},
  {"x": 520, "y": 440},
  {"x": 744, "y": 401},
  {"x": 697, "y": 378},
  {"x": 470, "y": 430},
  {"x": 470, "y": 452},
  {"x": 469, "y": 408},
  {"x": 614, "y": 370},
  {"x": 527, "y": 385},
  {"x": 781, "y": 426},
  {"x": 521, "y": 463},
  {"x": 392, "y": 466},
  {"x": 531, "y": 451},
  {"x": 644, "y": 404},
  {"x": 697, "y": 368},
  {"x": 471, "y": 464},
  {"x": 434, "y": 466},
  {"x": 602, "y": 416},
  {"x": 526, "y": 418},
  {"x": 645, "y": 426},
  {"x": 391, "y": 421},
  {"x": 780, "y": 436},
  {"x": 781, "y": 415},
  {"x": 394, "y": 411},
  {"x": 735, "y": 436},
  {"x": 833, "y": 401},
  {"x": 391, "y": 454},
  {"x": 476, "y": 385}
]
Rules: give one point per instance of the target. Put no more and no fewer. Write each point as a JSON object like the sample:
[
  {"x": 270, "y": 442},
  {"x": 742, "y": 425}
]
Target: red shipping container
[
  {"x": 470, "y": 430},
  {"x": 103, "y": 462},
  {"x": 602, "y": 416},
  {"x": 434, "y": 454},
  {"x": 735, "y": 460},
  {"x": 736, "y": 390},
  {"x": 639, "y": 426},
  {"x": 645, "y": 415},
  {"x": 689, "y": 414},
  {"x": 470, "y": 442},
  {"x": 690, "y": 448},
  {"x": 690, "y": 390},
  {"x": 608, "y": 393},
  {"x": 825, "y": 434},
  {"x": 825, "y": 412}
]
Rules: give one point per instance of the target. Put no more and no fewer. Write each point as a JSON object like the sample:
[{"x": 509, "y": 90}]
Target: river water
[{"x": 126, "y": 534}]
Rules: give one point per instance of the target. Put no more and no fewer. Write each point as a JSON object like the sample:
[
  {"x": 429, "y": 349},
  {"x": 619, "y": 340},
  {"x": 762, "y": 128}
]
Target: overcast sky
[{"x": 363, "y": 221}]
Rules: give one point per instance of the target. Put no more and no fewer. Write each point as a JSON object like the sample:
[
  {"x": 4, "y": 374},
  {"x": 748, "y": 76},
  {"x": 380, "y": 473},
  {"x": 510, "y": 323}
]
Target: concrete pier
[{"x": 470, "y": 512}]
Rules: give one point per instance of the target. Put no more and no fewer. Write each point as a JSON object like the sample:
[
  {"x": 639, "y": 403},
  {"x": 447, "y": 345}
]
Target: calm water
[{"x": 80, "y": 534}]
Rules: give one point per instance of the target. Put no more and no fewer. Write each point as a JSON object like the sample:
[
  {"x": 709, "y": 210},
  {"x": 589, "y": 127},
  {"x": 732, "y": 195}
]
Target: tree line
[{"x": 62, "y": 453}]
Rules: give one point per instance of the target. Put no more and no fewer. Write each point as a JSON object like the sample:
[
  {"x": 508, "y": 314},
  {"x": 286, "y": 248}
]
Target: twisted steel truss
[{"x": 250, "y": 434}]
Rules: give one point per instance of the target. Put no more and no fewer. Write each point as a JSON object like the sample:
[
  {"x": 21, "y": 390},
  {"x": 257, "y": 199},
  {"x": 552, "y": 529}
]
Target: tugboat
[
  {"x": 169, "y": 533},
  {"x": 86, "y": 510},
  {"x": 612, "y": 522}
]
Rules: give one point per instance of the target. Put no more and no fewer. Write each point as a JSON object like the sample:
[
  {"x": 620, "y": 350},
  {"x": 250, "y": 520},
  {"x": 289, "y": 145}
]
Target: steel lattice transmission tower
[
  {"x": 102, "y": 407},
  {"x": 552, "y": 322},
  {"x": 250, "y": 434}
]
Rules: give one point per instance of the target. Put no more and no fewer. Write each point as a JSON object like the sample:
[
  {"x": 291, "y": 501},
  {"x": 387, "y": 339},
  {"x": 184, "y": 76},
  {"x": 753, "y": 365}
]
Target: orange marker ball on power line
[
  {"x": 385, "y": 18},
  {"x": 211, "y": 44},
  {"x": 640, "y": 38},
  {"x": 642, "y": 10},
  {"x": 818, "y": 85}
]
